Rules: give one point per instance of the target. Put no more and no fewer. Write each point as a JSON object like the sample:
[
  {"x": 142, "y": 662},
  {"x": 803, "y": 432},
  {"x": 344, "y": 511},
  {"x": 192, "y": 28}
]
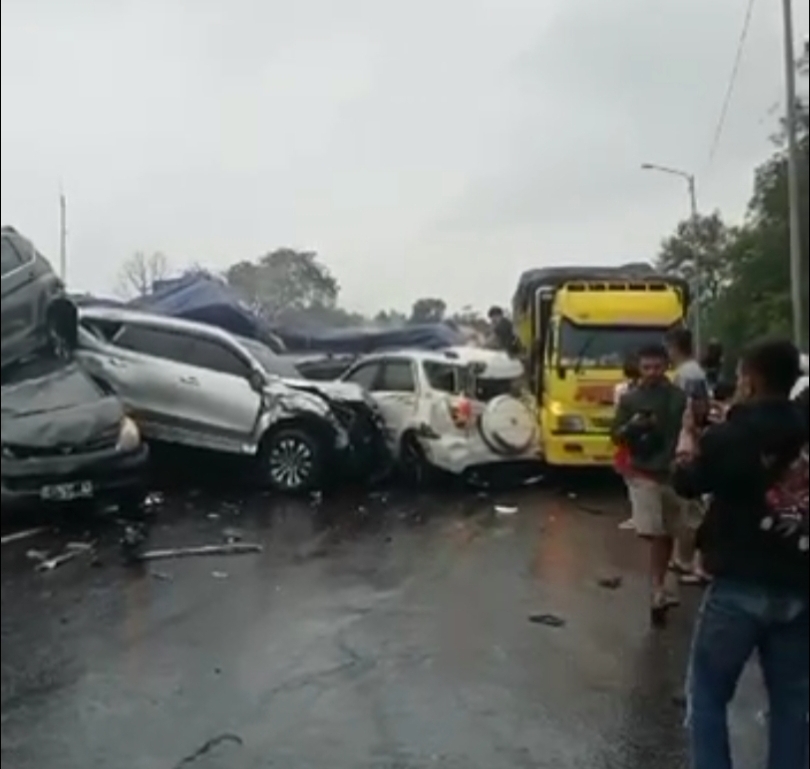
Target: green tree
[
  {"x": 428, "y": 310},
  {"x": 700, "y": 243},
  {"x": 747, "y": 269},
  {"x": 285, "y": 280}
]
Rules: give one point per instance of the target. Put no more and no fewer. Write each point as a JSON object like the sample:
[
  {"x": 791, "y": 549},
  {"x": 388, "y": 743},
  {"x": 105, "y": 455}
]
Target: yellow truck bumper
[{"x": 578, "y": 450}]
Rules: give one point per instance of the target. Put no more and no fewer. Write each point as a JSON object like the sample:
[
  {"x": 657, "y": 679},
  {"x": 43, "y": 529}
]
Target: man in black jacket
[{"x": 755, "y": 544}]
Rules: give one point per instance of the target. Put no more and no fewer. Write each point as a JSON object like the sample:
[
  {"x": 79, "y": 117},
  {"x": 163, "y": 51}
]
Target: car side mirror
[{"x": 257, "y": 381}]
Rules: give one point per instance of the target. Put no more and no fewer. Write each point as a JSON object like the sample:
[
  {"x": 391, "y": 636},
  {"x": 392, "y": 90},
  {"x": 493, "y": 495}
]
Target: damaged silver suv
[{"x": 196, "y": 385}]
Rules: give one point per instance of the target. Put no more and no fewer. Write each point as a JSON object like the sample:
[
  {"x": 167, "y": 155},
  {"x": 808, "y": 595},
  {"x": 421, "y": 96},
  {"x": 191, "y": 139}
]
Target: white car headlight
[
  {"x": 129, "y": 437},
  {"x": 571, "y": 423}
]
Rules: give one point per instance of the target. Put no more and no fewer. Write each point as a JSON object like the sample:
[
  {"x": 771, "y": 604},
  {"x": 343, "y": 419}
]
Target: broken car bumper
[{"x": 106, "y": 476}]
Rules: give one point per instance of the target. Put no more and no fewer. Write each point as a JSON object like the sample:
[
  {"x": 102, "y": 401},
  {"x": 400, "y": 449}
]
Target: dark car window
[
  {"x": 365, "y": 375},
  {"x": 155, "y": 342},
  {"x": 208, "y": 354},
  {"x": 397, "y": 377},
  {"x": 445, "y": 377},
  {"x": 10, "y": 258}
]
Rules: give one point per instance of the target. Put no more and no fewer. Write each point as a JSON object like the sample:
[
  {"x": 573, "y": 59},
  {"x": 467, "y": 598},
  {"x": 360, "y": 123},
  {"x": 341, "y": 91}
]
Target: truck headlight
[
  {"x": 129, "y": 436},
  {"x": 571, "y": 423}
]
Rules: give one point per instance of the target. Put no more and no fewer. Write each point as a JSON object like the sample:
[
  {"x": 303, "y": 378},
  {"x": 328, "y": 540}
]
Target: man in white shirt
[{"x": 691, "y": 378}]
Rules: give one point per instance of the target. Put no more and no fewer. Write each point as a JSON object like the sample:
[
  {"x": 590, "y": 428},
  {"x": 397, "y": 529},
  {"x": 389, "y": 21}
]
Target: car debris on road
[{"x": 228, "y": 548}]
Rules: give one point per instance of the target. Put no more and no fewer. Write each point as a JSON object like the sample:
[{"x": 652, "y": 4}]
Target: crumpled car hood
[
  {"x": 339, "y": 391},
  {"x": 57, "y": 410}
]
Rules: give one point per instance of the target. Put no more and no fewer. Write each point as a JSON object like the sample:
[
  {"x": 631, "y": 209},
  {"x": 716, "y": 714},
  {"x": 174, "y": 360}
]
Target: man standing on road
[
  {"x": 755, "y": 543},
  {"x": 691, "y": 378},
  {"x": 648, "y": 422}
]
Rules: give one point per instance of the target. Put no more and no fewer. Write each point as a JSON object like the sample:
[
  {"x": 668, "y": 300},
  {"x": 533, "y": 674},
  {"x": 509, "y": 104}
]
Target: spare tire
[{"x": 507, "y": 426}]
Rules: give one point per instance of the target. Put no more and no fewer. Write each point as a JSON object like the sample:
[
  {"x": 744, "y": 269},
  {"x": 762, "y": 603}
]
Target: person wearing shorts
[{"x": 648, "y": 423}]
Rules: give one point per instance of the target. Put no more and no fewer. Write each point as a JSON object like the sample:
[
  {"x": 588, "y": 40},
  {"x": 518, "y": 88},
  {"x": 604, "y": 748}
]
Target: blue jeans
[{"x": 736, "y": 620}]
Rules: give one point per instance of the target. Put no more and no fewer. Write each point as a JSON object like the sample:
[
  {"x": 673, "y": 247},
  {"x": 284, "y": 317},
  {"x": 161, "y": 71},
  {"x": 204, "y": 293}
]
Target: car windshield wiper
[{"x": 583, "y": 350}]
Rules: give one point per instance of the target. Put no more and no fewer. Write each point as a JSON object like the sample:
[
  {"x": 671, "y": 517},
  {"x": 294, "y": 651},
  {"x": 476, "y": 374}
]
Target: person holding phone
[
  {"x": 754, "y": 465},
  {"x": 647, "y": 422}
]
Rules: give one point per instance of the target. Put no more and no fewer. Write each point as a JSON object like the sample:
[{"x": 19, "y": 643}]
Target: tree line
[{"x": 744, "y": 268}]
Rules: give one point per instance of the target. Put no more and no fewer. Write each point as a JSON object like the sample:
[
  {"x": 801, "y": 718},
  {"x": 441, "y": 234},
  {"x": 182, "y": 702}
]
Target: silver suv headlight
[{"x": 129, "y": 436}]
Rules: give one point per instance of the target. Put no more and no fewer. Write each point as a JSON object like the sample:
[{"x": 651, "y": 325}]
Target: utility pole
[
  {"x": 791, "y": 120},
  {"x": 697, "y": 285},
  {"x": 62, "y": 236}
]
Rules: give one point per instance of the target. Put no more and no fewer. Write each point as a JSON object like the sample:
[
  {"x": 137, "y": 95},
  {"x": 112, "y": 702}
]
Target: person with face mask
[{"x": 755, "y": 544}]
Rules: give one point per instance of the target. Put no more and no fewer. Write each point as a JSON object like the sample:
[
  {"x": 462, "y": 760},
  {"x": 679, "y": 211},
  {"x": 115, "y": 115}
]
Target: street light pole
[
  {"x": 791, "y": 121},
  {"x": 697, "y": 286}
]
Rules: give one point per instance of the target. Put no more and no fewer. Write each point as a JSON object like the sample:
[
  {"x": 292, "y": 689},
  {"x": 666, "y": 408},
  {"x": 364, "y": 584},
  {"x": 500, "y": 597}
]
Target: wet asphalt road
[{"x": 386, "y": 632}]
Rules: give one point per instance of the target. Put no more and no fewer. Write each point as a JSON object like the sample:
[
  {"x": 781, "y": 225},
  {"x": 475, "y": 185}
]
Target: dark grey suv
[{"x": 35, "y": 312}]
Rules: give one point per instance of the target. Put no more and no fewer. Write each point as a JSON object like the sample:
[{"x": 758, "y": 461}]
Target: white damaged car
[{"x": 460, "y": 410}]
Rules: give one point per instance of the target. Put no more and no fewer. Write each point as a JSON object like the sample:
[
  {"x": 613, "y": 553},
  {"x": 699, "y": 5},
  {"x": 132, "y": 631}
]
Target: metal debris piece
[
  {"x": 229, "y": 548},
  {"x": 505, "y": 510},
  {"x": 20, "y": 535},
  {"x": 219, "y": 574},
  {"x": 534, "y": 480},
  {"x": 161, "y": 575},
  {"x": 81, "y": 547},
  {"x": 213, "y": 516},
  {"x": 49, "y": 564},
  {"x": 549, "y": 620},
  {"x": 610, "y": 583},
  {"x": 37, "y": 555}
]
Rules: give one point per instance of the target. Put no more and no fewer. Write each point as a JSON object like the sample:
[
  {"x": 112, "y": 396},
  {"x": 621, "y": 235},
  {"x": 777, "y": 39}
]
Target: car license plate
[{"x": 67, "y": 492}]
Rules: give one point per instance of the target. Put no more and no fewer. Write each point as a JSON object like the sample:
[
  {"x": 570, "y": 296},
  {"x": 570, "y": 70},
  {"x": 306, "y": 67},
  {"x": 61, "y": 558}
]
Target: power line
[{"x": 735, "y": 71}]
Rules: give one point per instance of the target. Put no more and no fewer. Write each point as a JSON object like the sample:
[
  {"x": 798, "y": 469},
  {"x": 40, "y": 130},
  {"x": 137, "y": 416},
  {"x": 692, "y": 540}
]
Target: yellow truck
[{"x": 578, "y": 325}]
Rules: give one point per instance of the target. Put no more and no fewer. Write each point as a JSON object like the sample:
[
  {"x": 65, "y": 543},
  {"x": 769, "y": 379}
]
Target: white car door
[{"x": 397, "y": 394}]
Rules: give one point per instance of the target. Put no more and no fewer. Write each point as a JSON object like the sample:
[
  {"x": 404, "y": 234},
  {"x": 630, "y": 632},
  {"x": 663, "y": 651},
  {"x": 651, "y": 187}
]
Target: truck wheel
[{"x": 292, "y": 460}]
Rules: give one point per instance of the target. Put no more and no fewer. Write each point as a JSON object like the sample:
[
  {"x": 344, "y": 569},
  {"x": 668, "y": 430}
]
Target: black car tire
[{"x": 292, "y": 460}]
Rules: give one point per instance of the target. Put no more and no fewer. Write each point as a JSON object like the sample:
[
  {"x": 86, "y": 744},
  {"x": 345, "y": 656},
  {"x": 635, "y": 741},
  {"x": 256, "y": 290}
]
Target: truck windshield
[{"x": 603, "y": 346}]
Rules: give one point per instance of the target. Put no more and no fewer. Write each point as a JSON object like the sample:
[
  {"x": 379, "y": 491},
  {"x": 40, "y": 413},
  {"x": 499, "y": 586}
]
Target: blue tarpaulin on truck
[
  {"x": 362, "y": 341},
  {"x": 206, "y": 299}
]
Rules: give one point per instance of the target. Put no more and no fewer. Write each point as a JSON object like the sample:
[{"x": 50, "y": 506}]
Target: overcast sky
[{"x": 422, "y": 147}]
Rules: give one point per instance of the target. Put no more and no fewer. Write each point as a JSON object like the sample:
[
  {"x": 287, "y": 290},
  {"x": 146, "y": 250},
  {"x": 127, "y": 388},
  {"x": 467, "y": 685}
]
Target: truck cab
[{"x": 580, "y": 324}]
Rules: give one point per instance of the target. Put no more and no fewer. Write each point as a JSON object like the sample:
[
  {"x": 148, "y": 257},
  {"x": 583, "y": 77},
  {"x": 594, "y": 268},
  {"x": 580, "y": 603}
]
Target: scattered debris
[
  {"x": 213, "y": 516},
  {"x": 161, "y": 575},
  {"x": 214, "y": 742},
  {"x": 628, "y": 525},
  {"x": 229, "y": 548},
  {"x": 20, "y": 535},
  {"x": 549, "y": 620},
  {"x": 534, "y": 480},
  {"x": 36, "y": 555},
  {"x": 155, "y": 499},
  {"x": 610, "y": 583},
  {"x": 49, "y": 564},
  {"x": 132, "y": 541},
  {"x": 505, "y": 510},
  {"x": 231, "y": 535},
  {"x": 219, "y": 574},
  {"x": 81, "y": 547}
]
